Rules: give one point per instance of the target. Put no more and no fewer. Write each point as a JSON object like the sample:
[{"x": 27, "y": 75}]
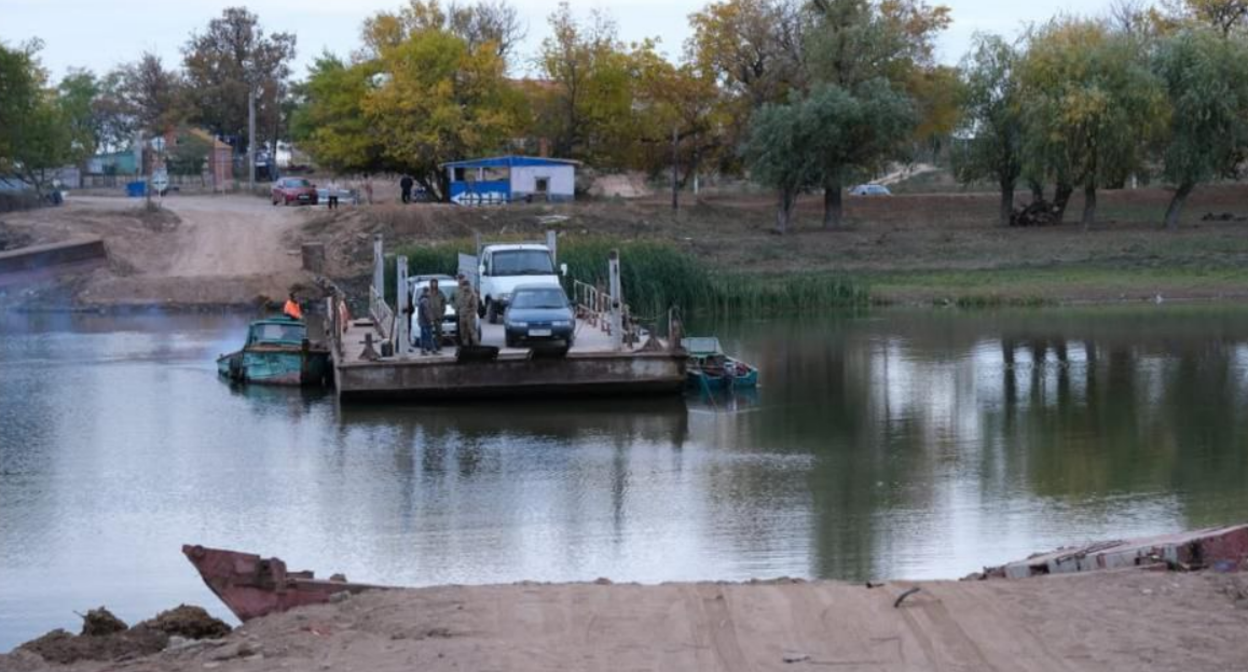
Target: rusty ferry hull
[
  {"x": 1221, "y": 548},
  {"x": 252, "y": 586},
  {"x": 592, "y": 367},
  {"x": 512, "y": 376}
]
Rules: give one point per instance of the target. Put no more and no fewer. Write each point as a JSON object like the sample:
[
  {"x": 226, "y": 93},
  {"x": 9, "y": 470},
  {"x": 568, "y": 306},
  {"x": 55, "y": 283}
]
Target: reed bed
[{"x": 657, "y": 276}]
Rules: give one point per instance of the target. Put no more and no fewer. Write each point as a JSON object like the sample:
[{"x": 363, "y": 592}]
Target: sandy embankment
[
  {"x": 1102, "y": 621},
  {"x": 214, "y": 251}
]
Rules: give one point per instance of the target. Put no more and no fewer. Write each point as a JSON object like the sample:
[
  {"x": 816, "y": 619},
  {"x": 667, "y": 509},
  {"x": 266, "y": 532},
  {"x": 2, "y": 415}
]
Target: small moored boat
[
  {"x": 277, "y": 352},
  {"x": 710, "y": 368}
]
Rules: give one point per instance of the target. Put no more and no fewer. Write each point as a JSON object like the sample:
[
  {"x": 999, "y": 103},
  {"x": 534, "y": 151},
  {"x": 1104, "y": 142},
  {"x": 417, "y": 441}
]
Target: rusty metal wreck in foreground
[
  {"x": 252, "y": 586},
  {"x": 1220, "y": 548}
]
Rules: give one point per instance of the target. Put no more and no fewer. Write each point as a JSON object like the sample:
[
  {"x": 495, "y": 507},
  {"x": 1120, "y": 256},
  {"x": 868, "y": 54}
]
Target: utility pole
[
  {"x": 277, "y": 129},
  {"x": 617, "y": 301},
  {"x": 675, "y": 164},
  {"x": 402, "y": 341},
  {"x": 251, "y": 140}
]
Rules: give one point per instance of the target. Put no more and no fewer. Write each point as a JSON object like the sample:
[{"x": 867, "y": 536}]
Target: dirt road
[
  {"x": 217, "y": 251},
  {"x": 232, "y": 236},
  {"x": 1131, "y": 620}
]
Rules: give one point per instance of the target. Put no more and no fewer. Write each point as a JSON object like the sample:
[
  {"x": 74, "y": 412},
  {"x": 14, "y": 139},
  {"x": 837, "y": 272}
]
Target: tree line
[
  {"x": 799, "y": 95},
  {"x": 44, "y": 127},
  {"x": 1142, "y": 93},
  {"x": 802, "y": 95},
  {"x": 432, "y": 84}
]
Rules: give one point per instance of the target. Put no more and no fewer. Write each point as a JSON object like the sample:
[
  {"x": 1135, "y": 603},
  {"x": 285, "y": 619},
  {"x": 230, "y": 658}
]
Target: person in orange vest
[{"x": 292, "y": 309}]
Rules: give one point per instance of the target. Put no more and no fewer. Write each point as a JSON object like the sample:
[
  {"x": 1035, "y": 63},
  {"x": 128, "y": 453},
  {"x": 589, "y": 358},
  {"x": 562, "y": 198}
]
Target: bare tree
[
  {"x": 1129, "y": 16},
  {"x": 151, "y": 94},
  {"x": 495, "y": 21},
  {"x": 231, "y": 58},
  {"x": 1223, "y": 15}
]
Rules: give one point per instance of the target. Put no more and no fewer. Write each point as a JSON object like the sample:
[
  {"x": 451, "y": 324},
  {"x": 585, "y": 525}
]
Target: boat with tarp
[{"x": 710, "y": 369}]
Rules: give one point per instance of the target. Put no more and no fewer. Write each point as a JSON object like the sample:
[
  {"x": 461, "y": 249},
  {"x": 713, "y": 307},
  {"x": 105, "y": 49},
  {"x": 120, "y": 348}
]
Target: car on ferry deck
[{"x": 539, "y": 313}]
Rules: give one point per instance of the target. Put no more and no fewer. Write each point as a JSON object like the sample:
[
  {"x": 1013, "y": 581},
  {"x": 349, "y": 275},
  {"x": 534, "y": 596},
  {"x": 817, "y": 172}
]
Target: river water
[{"x": 906, "y": 444}]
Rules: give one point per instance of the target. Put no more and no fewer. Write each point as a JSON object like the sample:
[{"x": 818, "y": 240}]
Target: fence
[
  {"x": 593, "y": 305},
  {"x": 380, "y": 311},
  {"x": 119, "y": 181}
]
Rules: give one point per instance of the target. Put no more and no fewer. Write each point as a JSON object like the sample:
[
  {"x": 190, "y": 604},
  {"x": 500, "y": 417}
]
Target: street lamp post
[{"x": 251, "y": 140}]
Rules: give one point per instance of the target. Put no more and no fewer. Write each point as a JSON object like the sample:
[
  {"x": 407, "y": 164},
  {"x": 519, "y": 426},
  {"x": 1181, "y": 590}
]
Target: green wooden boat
[
  {"x": 710, "y": 369},
  {"x": 277, "y": 352}
]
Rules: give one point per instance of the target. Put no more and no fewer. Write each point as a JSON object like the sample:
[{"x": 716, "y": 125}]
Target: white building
[{"x": 504, "y": 179}]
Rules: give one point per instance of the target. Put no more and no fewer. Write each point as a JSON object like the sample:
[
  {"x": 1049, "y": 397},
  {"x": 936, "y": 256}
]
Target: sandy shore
[{"x": 1105, "y": 621}]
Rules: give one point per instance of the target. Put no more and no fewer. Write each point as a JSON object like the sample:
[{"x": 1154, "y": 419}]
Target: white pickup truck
[{"x": 499, "y": 268}]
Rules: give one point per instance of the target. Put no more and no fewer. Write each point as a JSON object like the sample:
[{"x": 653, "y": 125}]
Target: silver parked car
[
  {"x": 450, "y": 320},
  {"x": 870, "y": 190}
]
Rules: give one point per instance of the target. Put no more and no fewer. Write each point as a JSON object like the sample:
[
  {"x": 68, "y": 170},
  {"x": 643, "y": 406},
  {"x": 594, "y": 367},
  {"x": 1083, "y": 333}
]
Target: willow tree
[
  {"x": 1091, "y": 108},
  {"x": 992, "y": 128},
  {"x": 778, "y": 153},
  {"x": 854, "y": 45},
  {"x": 1206, "y": 83},
  {"x": 851, "y": 132}
]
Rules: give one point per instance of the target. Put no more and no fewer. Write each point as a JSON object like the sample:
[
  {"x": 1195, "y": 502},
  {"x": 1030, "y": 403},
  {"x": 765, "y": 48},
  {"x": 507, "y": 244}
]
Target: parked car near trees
[
  {"x": 870, "y": 190},
  {"x": 294, "y": 190}
]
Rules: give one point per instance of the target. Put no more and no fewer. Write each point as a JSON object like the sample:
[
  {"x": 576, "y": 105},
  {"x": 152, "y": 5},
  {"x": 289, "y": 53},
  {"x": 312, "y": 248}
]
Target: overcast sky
[{"x": 99, "y": 34}]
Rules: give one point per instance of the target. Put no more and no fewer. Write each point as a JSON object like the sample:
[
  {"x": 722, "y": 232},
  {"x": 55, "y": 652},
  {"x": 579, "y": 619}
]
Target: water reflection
[
  {"x": 914, "y": 444},
  {"x": 948, "y": 440}
]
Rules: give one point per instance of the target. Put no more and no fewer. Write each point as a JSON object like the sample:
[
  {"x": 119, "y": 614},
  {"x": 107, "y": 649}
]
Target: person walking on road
[
  {"x": 405, "y": 186},
  {"x": 332, "y": 191},
  {"x": 466, "y": 311},
  {"x": 423, "y": 319},
  {"x": 437, "y": 308}
]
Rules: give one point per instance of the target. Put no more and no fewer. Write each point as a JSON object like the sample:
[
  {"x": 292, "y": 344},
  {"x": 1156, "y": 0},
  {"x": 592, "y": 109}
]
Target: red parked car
[{"x": 293, "y": 190}]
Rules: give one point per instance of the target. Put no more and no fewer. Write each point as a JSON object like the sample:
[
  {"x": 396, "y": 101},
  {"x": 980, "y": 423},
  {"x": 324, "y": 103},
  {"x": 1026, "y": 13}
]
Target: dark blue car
[{"x": 539, "y": 313}]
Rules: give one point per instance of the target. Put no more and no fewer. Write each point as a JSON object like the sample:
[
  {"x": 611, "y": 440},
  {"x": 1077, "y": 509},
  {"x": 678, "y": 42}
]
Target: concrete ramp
[{"x": 41, "y": 261}]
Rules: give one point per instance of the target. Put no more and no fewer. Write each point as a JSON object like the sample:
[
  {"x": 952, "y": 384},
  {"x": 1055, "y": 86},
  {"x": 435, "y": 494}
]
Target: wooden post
[
  {"x": 552, "y": 243},
  {"x": 675, "y": 163},
  {"x": 617, "y": 307},
  {"x": 403, "y": 342},
  {"x": 313, "y": 257}
]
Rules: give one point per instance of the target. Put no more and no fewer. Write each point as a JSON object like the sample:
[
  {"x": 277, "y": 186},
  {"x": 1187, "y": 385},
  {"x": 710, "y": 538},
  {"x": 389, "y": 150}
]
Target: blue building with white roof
[{"x": 504, "y": 179}]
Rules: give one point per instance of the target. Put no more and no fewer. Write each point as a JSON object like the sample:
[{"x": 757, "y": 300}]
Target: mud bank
[{"x": 1101, "y": 621}]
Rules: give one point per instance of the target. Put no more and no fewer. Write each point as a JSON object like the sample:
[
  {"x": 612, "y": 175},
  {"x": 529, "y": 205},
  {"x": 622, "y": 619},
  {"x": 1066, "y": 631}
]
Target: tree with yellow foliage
[
  {"x": 417, "y": 96},
  {"x": 588, "y": 108},
  {"x": 1091, "y": 108}
]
